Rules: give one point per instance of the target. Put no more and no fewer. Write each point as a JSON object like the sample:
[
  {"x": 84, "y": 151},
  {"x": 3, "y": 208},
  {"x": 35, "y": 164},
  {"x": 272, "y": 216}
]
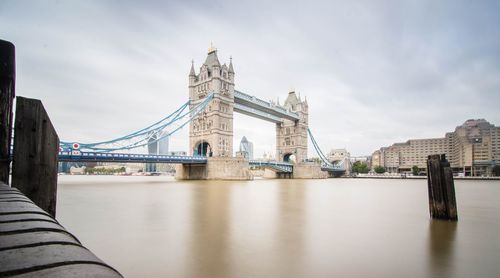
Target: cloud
[{"x": 374, "y": 72}]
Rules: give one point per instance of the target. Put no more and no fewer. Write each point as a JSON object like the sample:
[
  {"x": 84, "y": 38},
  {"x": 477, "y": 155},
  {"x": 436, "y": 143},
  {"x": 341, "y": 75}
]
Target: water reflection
[
  {"x": 209, "y": 246},
  {"x": 441, "y": 247},
  {"x": 290, "y": 230}
]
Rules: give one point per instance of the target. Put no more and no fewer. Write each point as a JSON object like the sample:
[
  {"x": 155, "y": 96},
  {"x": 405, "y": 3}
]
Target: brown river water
[{"x": 159, "y": 227}]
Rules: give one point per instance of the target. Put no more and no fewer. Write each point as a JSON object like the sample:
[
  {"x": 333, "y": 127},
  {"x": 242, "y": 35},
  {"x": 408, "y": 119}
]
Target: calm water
[{"x": 158, "y": 227}]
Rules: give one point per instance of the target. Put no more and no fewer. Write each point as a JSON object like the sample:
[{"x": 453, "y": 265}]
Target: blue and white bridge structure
[{"x": 209, "y": 114}]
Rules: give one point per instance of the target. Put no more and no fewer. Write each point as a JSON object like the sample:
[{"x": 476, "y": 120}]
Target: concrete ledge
[
  {"x": 35, "y": 238},
  {"x": 72, "y": 271},
  {"x": 25, "y": 217},
  {"x": 33, "y": 244}
]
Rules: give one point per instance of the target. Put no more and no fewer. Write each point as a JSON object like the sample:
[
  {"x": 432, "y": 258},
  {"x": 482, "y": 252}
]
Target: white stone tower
[
  {"x": 211, "y": 133},
  {"x": 291, "y": 136}
]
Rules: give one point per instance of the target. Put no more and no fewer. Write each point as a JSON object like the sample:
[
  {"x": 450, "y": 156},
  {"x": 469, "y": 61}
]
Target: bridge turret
[
  {"x": 291, "y": 136},
  {"x": 192, "y": 75},
  {"x": 211, "y": 133},
  {"x": 231, "y": 70}
]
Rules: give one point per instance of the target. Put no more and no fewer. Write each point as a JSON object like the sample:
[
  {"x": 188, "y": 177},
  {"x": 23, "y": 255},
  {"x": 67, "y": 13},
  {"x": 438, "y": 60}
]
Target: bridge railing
[
  {"x": 97, "y": 156},
  {"x": 281, "y": 166}
]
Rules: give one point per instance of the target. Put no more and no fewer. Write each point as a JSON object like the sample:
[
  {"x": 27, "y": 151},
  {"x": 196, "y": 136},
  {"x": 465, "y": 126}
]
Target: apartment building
[{"x": 473, "y": 148}]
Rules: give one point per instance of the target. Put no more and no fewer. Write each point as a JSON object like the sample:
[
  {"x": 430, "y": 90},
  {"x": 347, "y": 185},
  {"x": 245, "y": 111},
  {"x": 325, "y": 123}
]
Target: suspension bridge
[{"x": 209, "y": 115}]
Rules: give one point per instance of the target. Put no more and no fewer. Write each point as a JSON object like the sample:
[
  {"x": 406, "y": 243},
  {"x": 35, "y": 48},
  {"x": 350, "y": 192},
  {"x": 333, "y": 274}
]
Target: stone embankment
[{"x": 34, "y": 244}]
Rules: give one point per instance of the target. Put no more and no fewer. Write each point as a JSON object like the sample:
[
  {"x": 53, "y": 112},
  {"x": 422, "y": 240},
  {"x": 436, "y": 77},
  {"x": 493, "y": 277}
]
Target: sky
[{"x": 374, "y": 72}]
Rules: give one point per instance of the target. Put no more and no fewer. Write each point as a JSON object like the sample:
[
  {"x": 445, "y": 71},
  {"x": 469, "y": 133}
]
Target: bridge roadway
[
  {"x": 78, "y": 156},
  {"x": 335, "y": 169}
]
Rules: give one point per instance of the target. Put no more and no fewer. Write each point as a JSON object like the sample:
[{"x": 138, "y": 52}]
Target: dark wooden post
[
  {"x": 7, "y": 93},
  {"x": 442, "y": 202},
  {"x": 36, "y": 145}
]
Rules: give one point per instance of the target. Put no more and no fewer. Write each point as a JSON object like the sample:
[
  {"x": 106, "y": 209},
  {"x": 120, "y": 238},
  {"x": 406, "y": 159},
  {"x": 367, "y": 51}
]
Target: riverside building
[
  {"x": 472, "y": 149},
  {"x": 246, "y": 148}
]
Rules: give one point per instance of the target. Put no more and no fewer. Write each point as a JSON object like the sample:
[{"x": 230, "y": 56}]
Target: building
[
  {"x": 473, "y": 149},
  {"x": 163, "y": 142},
  {"x": 377, "y": 159},
  {"x": 157, "y": 144},
  {"x": 341, "y": 157},
  {"x": 246, "y": 148}
]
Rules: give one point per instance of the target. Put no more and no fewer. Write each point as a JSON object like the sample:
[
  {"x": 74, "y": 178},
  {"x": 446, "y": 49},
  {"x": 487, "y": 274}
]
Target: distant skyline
[{"x": 374, "y": 72}]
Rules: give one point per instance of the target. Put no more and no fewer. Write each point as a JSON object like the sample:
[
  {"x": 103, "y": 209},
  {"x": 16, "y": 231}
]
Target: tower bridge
[{"x": 209, "y": 112}]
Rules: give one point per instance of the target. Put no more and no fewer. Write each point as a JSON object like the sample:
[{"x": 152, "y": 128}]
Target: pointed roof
[
  {"x": 212, "y": 59},
  {"x": 244, "y": 139},
  {"x": 191, "y": 72},
  {"x": 231, "y": 70},
  {"x": 291, "y": 99}
]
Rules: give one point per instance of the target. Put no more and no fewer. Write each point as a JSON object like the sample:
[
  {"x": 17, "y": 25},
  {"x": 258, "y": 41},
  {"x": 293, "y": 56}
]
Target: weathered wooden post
[
  {"x": 36, "y": 145},
  {"x": 442, "y": 202},
  {"x": 7, "y": 92}
]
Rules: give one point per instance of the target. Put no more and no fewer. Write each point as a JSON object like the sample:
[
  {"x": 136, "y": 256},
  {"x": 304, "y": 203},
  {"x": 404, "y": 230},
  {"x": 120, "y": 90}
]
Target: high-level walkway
[{"x": 261, "y": 109}]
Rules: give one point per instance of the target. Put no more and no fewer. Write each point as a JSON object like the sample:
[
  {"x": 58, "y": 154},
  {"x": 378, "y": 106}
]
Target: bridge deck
[
  {"x": 77, "y": 156},
  {"x": 281, "y": 167}
]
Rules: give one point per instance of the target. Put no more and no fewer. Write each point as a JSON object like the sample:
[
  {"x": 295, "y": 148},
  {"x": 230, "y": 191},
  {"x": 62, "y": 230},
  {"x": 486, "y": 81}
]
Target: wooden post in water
[
  {"x": 36, "y": 145},
  {"x": 7, "y": 93},
  {"x": 442, "y": 202}
]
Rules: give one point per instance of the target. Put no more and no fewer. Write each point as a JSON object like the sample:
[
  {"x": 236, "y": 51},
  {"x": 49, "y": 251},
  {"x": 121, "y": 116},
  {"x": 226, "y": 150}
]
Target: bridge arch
[
  {"x": 202, "y": 148},
  {"x": 289, "y": 157}
]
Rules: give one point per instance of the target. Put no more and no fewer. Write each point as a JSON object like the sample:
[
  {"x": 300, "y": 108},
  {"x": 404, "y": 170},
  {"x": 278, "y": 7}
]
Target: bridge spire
[
  {"x": 231, "y": 70},
  {"x": 191, "y": 72},
  {"x": 212, "y": 59},
  {"x": 211, "y": 48}
]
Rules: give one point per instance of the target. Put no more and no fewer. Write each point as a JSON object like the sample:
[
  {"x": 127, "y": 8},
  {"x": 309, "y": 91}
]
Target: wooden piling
[
  {"x": 36, "y": 145},
  {"x": 7, "y": 93},
  {"x": 441, "y": 188}
]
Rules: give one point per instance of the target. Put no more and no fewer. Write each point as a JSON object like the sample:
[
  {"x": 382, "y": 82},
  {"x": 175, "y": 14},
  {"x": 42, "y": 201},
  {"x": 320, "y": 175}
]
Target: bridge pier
[
  {"x": 308, "y": 170},
  {"x": 217, "y": 168}
]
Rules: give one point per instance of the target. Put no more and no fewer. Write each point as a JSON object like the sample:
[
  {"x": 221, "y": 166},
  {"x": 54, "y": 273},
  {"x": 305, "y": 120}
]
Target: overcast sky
[{"x": 374, "y": 72}]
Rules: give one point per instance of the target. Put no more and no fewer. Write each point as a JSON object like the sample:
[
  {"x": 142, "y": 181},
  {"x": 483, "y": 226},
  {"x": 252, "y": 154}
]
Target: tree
[
  {"x": 360, "y": 167},
  {"x": 415, "y": 170},
  {"x": 379, "y": 170},
  {"x": 316, "y": 160},
  {"x": 496, "y": 170}
]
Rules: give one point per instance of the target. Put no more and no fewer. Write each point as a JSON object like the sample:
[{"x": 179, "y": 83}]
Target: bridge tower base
[
  {"x": 217, "y": 168},
  {"x": 270, "y": 174},
  {"x": 307, "y": 170}
]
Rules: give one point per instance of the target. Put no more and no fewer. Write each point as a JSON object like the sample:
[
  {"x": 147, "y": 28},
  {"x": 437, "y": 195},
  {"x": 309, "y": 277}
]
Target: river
[{"x": 159, "y": 227}]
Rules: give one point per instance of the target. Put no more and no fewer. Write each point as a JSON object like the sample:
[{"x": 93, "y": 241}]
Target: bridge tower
[
  {"x": 291, "y": 136},
  {"x": 211, "y": 133}
]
